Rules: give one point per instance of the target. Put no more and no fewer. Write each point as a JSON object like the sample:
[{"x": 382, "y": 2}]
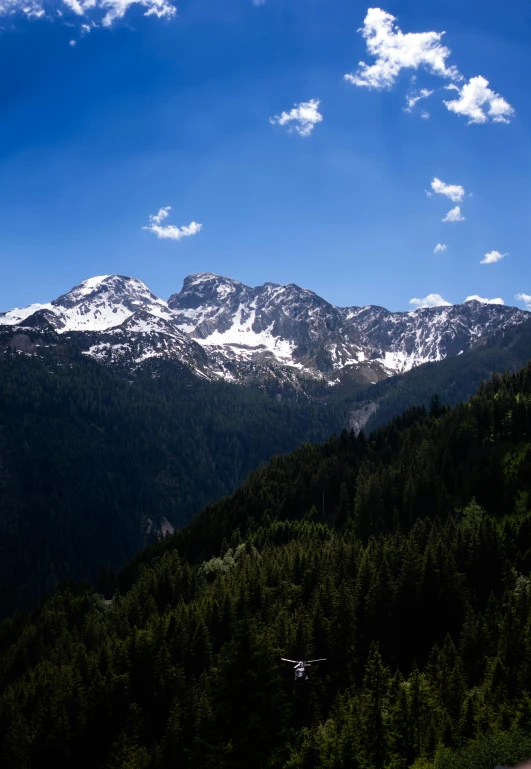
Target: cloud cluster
[
  {"x": 302, "y": 118},
  {"x": 394, "y": 51},
  {"x": 476, "y": 298},
  {"x": 525, "y": 298},
  {"x": 455, "y": 192},
  {"x": 170, "y": 231},
  {"x": 98, "y": 12},
  {"x": 492, "y": 257},
  {"x": 436, "y": 300},
  {"x": 432, "y": 300},
  {"x": 479, "y": 103},
  {"x": 440, "y": 248}
]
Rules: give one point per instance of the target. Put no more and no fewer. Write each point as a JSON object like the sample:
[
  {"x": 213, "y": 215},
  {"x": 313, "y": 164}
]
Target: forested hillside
[
  {"x": 90, "y": 463},
  {"x": 404, "y": 559}
]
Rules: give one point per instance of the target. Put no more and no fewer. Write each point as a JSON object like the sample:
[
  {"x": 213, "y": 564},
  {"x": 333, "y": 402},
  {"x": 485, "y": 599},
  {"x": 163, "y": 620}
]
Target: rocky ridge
[{"x": 222, "y": 328}]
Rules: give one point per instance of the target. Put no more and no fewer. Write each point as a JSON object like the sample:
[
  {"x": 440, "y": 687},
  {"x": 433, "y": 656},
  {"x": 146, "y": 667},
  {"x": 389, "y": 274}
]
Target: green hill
[{"x": 404, "y": 559}]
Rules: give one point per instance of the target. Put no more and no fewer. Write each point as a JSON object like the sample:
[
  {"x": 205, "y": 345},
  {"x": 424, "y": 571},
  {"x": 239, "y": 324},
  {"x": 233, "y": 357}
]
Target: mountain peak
[
  {"x": 200, "y": 281},
  {"x": 96, "y": 304},
  {"x": 206, "y": 289},
  {"x": 117, "y": 285}
]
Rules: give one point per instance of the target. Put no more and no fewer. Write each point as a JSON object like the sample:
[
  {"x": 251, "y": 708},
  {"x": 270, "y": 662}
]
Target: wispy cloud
[
  {"x": 480, "y": 104},
  {"x": 455, "y": 192},
  {"x": 394, "y": 51},
  {"x": 413, "y": 99},
  {"x": 96, "y": 12},
  {"x": 163, "y": 213},
  {"x": 454, "y": 215},
  {"x": 476, "y": 298},
  {"x": 432, "y": 300},
  {"x": 440, "y": 248},
  {"x": 170, "y": 231},
  {"x": 525, "y": 298},
  {"x": 302, "y": 118},
  {"x": 492, "y": 257}
]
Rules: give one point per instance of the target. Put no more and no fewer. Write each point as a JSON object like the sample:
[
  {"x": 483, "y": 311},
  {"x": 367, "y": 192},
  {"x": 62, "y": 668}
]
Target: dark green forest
[
  {"x": 403, "y": 558},
  {"x": 88, "y": 459}
]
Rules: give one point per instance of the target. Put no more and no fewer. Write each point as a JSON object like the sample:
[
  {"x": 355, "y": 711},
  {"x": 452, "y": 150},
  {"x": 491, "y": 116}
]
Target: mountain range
[{"x": 223, "y": 329}]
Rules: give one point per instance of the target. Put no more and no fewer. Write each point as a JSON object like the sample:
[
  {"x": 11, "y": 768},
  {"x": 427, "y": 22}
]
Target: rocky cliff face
[{"x": 292, "y": 326}]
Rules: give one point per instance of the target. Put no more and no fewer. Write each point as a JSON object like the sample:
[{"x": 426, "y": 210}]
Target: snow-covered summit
[{"x": 96, "y": 304}]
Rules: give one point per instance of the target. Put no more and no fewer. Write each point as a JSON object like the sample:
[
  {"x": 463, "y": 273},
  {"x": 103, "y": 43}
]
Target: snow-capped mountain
[
  {"x": 294, "y": 327},
  {"x": 222, "y": 328},
  {"x": 96, "y": 304}
]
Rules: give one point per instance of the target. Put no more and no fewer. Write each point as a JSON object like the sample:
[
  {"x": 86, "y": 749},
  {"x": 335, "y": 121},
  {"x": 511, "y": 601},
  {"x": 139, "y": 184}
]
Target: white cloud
[
  {"x": 163, "y": 213},
  {"x": 96, "y": 12},
  {"x": 492, "y": 257},
  {"x": 440, "y": 248},
  {"x": 304, "y": 117},
  {"x": 170, "y": 231},
  {"x": 454, "y": 215},
  {"x": 476, "y": 298},
  {"x": 432, "y": 300},
  {"x": 526, "y": 298},
  {"x": 414, "y": 99},
  {"x": 32, "y": 9},
  {"x": 394, "y": 51},
  {"x": 480, "y": 104},
  {"x": 455, "y": 192}
]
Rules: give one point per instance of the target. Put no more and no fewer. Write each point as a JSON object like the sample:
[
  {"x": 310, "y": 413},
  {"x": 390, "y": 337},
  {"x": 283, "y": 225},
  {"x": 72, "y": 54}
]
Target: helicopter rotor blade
[
  {"x": 286, "y": 660},
  {"x": 321, "y": 660}
]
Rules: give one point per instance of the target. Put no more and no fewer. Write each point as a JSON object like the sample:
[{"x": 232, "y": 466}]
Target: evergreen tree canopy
[{"x": 402, "y": 558}]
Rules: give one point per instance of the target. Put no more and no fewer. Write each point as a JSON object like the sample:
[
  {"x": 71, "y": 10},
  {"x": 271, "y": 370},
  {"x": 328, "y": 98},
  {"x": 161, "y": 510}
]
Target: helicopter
[{"x": 301, "y": 667}]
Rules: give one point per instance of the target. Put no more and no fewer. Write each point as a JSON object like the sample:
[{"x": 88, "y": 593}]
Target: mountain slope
[
  {"x": 418, "y": 598},
  {"x": 452, "y": 380}
]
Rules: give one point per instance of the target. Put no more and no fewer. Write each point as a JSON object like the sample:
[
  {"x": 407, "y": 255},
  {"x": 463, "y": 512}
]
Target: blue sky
[{"x": 143, "y": 112}]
